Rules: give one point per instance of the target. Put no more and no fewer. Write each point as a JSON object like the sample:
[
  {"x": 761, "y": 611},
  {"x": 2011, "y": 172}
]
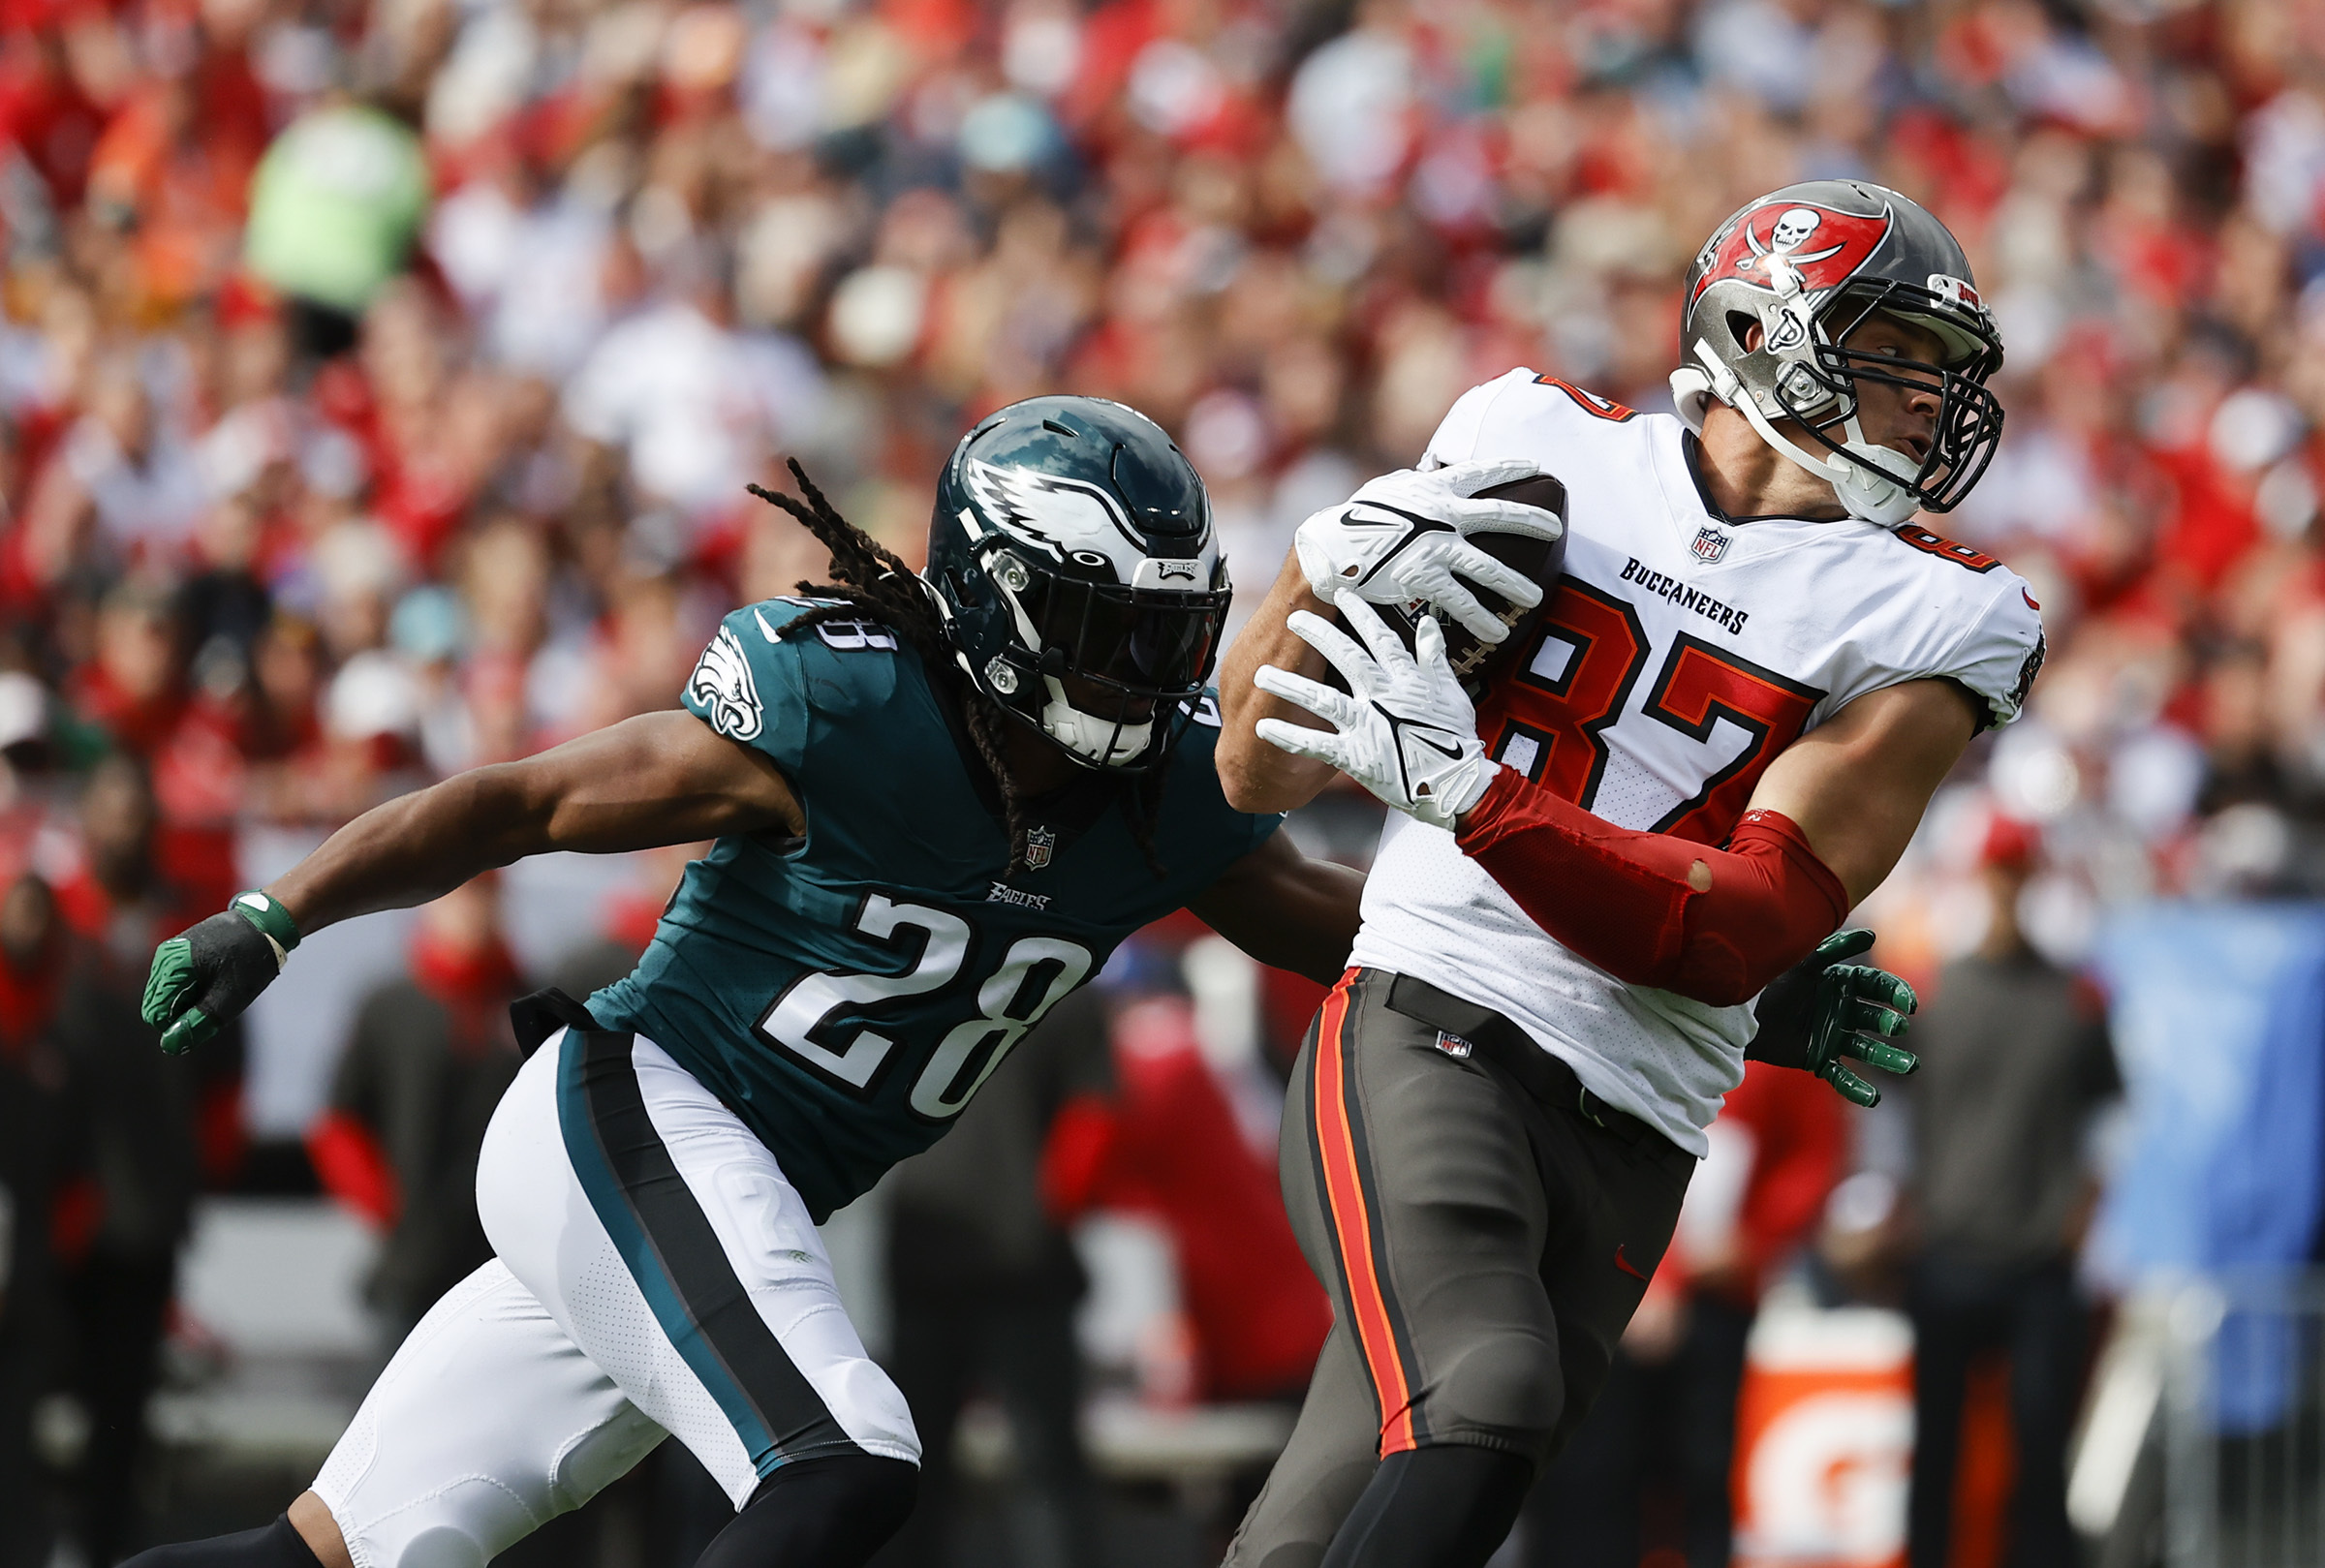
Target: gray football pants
[{"x": 1485, "y": 1229}]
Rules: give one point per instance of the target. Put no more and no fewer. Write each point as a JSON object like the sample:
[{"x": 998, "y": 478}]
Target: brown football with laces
[{"x": 1474, "y": 660}]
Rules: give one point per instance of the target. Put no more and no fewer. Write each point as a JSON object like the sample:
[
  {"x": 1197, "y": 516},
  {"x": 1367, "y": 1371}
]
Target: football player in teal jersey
[{"x": 939, "y": 801}]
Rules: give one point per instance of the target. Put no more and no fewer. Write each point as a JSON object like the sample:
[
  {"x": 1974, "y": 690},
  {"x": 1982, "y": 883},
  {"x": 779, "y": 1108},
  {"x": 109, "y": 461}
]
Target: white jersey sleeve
[
  {"x": 1516, "y": 412},
  {"x": 1919, "y": 606},
  {"x": 2000, "y": 651},
  {"x": 1457, "y": 433}
]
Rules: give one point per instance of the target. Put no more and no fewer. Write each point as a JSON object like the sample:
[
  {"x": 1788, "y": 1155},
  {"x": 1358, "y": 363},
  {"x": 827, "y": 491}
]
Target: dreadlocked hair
[{"x": 873, "y": 583}]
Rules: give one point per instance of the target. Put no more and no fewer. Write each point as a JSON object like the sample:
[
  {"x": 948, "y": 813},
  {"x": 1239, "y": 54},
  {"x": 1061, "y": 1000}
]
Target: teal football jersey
[{"x": 846, "y": 993}]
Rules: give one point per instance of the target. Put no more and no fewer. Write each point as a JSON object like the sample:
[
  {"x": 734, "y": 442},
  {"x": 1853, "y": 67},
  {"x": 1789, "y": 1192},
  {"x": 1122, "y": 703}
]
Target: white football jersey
[{"x": 1679, "y": 653}]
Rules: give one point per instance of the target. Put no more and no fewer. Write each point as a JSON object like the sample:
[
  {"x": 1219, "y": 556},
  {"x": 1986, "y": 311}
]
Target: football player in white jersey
[{"x": 1715, "y": 740}]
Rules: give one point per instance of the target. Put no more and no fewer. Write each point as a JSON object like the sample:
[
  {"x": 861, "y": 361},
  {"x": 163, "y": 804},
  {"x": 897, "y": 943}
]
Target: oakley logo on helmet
[{"x": 1816, "y": 247}]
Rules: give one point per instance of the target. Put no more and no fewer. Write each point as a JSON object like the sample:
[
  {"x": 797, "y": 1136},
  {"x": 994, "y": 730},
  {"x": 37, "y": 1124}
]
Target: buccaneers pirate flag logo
[{"x": 1816, "y": 245}]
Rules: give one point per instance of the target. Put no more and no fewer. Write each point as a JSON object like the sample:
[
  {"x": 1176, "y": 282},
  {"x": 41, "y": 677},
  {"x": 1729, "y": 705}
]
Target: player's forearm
[
  {"x": 1651, "y": 910},
  {"x": 417, "y": 847},
  {"x": 661, "y": 778},
  {"x": 1257, "y": 777},
  {"x": 1310, "y": 926},
  {"x": 1288, "y": 912}
]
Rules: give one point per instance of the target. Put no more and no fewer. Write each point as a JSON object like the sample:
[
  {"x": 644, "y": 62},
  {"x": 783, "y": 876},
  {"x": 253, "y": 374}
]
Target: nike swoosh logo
[
  {"x": 765, "y": 630},
  {"x": 1452, "y": 751},
  {"x": 1625, "y": 1264},
  {"x": 1427, "y": 525}
]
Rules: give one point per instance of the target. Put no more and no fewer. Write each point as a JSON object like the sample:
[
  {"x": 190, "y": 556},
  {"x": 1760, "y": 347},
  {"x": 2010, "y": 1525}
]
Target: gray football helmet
[{"x": 1808, "y": 264}]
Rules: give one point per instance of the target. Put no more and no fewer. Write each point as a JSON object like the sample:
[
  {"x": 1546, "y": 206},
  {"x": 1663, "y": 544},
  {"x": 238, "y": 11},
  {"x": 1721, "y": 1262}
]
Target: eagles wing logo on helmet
[
  {"x": 1057, "y": 511},
  {"x": 722, "y": 683},
  {"x": 1818, "y": 246}
]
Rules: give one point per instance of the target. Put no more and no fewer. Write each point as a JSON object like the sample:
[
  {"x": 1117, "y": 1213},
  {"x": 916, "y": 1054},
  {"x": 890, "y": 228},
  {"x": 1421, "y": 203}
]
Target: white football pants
[{"x": 656, "y": 1273}]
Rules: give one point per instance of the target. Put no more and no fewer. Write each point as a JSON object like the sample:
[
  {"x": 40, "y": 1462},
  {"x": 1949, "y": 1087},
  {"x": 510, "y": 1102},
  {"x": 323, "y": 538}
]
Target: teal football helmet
[{"x": 1080, "y": 580}]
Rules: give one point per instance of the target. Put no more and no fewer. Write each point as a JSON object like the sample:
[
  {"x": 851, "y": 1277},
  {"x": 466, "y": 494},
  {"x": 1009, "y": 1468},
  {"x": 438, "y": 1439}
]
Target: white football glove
[
  {"x": 1405, "y": 728},
  {"x": 1400, "y": 538}
]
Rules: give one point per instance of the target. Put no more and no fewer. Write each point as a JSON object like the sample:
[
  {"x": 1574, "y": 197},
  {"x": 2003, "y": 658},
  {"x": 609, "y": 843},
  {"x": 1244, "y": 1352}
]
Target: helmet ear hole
[{"x": 1746, "y": 330}]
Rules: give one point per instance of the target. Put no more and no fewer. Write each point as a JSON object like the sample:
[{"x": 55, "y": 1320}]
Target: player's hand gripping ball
[
  {"x": 1822, "y": 1012},
  {"x": 210, "y": 971},
  {"x": 1403, "y": 728},
  {"x": 1475, "y": 546}
]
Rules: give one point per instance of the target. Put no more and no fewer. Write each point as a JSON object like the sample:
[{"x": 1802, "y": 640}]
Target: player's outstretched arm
[
  {"x": 1286, "y": 910},
  {"x": 661, "y": 778},
  {"x": 658, "y": 779},
  {"x": 1254, "y": 776}
]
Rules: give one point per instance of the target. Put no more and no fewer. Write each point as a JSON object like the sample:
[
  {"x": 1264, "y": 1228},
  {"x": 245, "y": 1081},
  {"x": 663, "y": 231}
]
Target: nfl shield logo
[
  {"x": 1710, "y": 544},
  {"x": 1040, "y": 842}
]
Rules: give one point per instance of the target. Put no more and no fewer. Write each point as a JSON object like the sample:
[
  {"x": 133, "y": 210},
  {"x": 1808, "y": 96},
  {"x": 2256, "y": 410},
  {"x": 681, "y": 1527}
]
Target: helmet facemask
[{"x": 1819, "y": 392}]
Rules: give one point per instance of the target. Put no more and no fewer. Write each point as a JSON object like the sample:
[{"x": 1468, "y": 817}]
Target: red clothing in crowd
[
  {"x": 1799, "y": 1136},
  {"x": 44, "y": 114},
  {"x": 473, "y": 985},
  {"x": 1168, "y": 1145}
]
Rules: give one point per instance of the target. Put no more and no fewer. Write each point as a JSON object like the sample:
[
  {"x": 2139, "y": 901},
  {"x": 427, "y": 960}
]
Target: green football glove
[
  {"x": 209, "y": 972},
  {"x": 1822, "y": 1011}
]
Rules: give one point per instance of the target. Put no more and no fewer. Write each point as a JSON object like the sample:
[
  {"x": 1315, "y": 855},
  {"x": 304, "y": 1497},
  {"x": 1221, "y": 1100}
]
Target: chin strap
[{"x": 1864, "y": 495}]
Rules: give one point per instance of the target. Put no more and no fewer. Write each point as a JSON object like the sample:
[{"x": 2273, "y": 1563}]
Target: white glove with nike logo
[
  {"x": 1400, "y": 538},
  {"x": 1404, "y": 729}
]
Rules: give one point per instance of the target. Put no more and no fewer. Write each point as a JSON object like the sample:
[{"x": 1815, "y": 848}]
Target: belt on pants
[{"x": 1510, "y": 1049}]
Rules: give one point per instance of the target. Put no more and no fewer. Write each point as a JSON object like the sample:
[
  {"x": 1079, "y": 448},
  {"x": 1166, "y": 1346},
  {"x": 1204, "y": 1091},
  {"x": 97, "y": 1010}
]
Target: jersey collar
[{"x": 1691, "y": 455}]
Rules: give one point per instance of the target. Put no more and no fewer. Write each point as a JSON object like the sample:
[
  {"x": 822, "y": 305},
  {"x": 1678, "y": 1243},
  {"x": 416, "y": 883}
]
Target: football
[{"x": 1540, "y": 561}]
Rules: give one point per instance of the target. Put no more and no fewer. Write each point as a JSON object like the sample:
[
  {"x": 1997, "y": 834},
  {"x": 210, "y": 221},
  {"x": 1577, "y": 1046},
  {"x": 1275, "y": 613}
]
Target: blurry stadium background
[{"x": 378, "y": 387}]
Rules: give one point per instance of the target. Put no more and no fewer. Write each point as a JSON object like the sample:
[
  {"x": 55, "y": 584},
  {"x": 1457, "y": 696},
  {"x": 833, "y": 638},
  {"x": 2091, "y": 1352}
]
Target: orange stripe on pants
[{"x": 1351, "y": 1214}]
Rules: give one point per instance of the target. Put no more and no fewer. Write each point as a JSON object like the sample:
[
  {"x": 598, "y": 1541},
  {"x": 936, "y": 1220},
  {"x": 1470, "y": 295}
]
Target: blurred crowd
[{"x": 378, "y": 385}]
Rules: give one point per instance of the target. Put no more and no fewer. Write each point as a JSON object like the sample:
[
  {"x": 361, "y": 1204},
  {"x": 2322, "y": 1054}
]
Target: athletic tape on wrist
[{"x": 273, "y": 922}]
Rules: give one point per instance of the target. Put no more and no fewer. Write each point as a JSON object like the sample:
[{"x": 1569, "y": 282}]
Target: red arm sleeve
[{"x": 1624, "y": 900}]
